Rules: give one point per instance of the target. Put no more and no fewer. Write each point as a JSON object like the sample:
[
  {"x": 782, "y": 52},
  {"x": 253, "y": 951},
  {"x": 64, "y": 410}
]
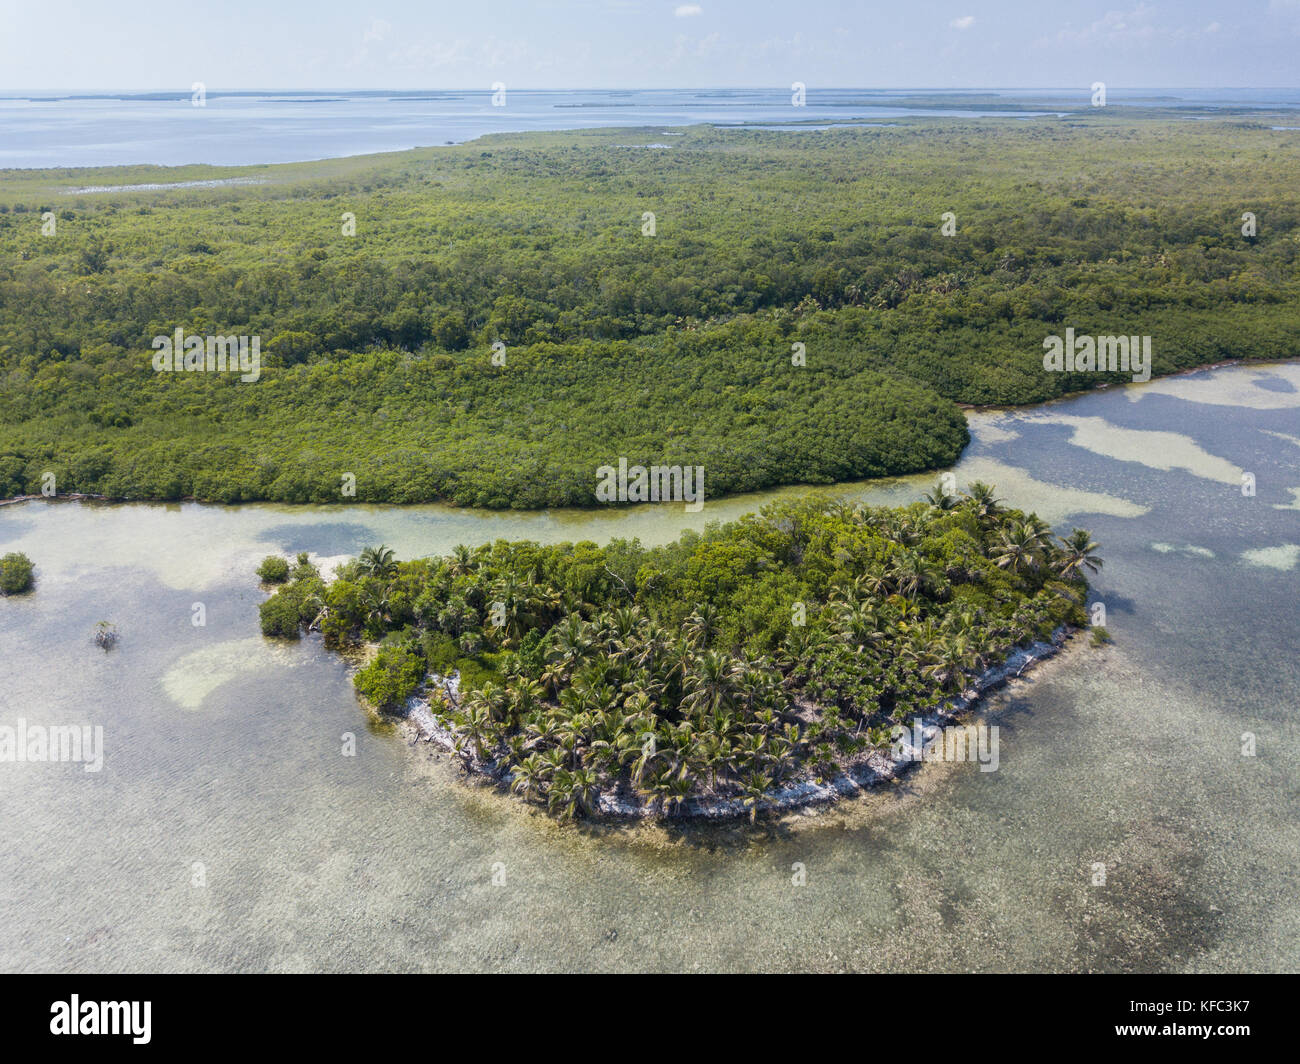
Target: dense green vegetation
[
  {"x": 761, "y": 651},
  {"x": 273, "y": 570},
  {"x": 15, "y": 573},
  {"x": 671, "y": 349}
]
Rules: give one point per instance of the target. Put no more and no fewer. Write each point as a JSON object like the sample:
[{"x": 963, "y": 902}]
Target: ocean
[{"x": 49, "y": 129}]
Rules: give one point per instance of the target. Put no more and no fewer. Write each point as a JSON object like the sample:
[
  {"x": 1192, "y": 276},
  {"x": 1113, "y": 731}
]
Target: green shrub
[
  {"x": 532, "y": 653},
  {"x": 273, "y": 570},
  {"x": 440, "y": 651},
  {"x": 15, "y": 574},
  {"x": 475, "y": 674},
  {"x": 303, "y": 568},
  {"x": 391, "y": 677},
  {"x": 279, "y": 616}
]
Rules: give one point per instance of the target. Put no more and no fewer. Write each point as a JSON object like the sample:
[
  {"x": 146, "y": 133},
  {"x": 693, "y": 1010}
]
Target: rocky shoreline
[
  {"x": 73, "y": 496},
  {"x": 865, "y": 772}
]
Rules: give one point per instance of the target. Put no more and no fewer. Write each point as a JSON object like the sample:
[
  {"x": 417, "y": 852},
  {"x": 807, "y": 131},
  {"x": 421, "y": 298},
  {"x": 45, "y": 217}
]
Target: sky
[{"x": 162, "y": 45}]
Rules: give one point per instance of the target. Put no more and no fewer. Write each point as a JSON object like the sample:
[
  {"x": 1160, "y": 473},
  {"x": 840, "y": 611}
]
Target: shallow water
[
  {"x": 52, "y": 129},
  {"x": 225, "y": 750},
  {"x": 126, "y": 129}
]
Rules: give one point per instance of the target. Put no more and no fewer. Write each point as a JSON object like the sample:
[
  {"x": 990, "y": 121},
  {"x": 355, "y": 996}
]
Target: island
[{"x": 756, "y": 665}]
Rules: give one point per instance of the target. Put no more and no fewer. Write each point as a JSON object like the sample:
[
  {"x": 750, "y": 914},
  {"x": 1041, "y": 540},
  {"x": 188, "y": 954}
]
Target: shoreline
[
  {"x": 993, "y": 408},
  {"x": 881, "y": 766},
  {"x": 72, "y": 496}
]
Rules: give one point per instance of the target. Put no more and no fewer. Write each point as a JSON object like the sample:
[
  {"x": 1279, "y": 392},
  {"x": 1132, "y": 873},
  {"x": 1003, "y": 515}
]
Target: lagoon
[{"x": 227, "y": 830}]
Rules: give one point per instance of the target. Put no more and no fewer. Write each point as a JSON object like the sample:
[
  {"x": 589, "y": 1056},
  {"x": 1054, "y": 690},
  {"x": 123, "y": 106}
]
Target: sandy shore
[{"x": 864, "y": 772}]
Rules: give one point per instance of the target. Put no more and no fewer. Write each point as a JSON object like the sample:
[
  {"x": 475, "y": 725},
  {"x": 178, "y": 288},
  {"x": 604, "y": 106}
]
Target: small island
[
  {"x": 16, "y": 571},
  {"x": 756, "y": 665}
]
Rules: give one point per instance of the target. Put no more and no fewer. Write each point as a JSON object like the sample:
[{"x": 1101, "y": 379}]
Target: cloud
[
  {"x": 1139, "y": 27},
  {"x": 377, "y": 30},
  {"x": 687, "y": 10},
  {"x": 963, "y": 23},
  {"x": 686, "y": 48}
]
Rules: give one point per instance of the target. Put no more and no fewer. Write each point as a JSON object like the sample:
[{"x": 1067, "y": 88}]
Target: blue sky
[{"x": 233, "y": 44}]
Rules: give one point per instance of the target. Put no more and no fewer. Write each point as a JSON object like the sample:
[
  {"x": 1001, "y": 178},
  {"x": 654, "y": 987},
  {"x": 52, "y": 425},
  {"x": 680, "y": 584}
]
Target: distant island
[{"x": 756, "y": 665}]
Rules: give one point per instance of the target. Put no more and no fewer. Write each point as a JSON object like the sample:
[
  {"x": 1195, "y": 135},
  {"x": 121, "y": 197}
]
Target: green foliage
[
  {"x": 391, "y": 677},
  {"x": 273, "y": 570},
  {"x": 673, "y": 350},
  {"x": 279, "y": 617},
  {"x": 440, "y": 651},
  {"x": 476, "y": 673},
  {"x": 15, "y": 573}
]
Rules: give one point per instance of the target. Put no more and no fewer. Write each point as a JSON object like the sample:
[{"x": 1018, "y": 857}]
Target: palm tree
[
  {"x": 476, "y": 726},
  {"x": 647, "y": 753},
  {"x": 939, "y": 497},
  {"x": 516, "y": 604},
  {"x": 521, "y": 698},
  {"x": 755, "y": 789},
  {"x": 460, "y": 561},
  {"x": 982, "y": 501},
  {"x": 676, "y": 790},
  {"x": 654, "y": 640},
  {"x": 702, "y": 625},
  {"x": 546, "y": 599},
  {"x": 857, "y": 625},
  {"x": 530, "y": 776},
  {"x": 912, "y": 574},
  {"x": 1018, "y": 547},
  {"x": 949, "y": 659},
  {"x": 558, "y": 798},
  {"x": 378, "y": 562},
  {"x": 799, "y": 645},
  {"x": 1079, "y": 554},
  {"x": 374, "y": 601},
  {"x": 582, "y": 792},
  {"x": 710, "y": 686},
  {"x": 571, "y": 645},
  {"x": 659, "y": 786},
  {"x": 320, "y": 609}
]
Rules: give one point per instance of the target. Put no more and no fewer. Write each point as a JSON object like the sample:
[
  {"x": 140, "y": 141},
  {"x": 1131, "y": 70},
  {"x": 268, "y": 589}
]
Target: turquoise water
[{"x": 225, "y": 750}]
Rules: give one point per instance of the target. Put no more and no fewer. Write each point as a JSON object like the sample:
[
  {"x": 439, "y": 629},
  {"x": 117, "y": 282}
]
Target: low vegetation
[{"x": 671, "y": 349}]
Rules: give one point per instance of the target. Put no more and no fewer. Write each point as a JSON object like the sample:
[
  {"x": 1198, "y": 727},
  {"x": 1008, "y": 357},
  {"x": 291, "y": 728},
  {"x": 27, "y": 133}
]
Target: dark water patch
[
  {"x": 1275, "y": 384},
  {"x": 326, "y": 538}
]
